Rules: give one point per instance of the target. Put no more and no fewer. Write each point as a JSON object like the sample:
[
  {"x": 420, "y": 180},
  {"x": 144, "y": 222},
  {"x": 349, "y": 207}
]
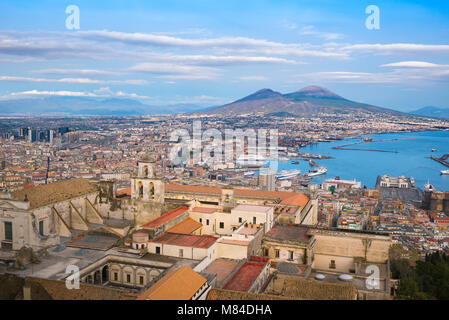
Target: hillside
[
  {"x": 434, "y": 112},
  {"x": 307, "y": 101}
]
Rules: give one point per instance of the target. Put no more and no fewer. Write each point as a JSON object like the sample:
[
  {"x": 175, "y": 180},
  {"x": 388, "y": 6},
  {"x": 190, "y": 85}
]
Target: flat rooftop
[
  {"x": 184, "y": 240},
  {"x": 252, "y": 208},
  {"x": 244, "y": 277},
  {"x": 222, "y": 268},
  {"x": 288, "y": 232}
]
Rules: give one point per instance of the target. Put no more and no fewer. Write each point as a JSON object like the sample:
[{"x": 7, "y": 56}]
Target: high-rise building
[{"x": 267, "y": 179}]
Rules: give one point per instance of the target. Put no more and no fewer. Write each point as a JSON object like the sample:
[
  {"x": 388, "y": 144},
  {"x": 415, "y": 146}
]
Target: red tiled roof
[
  {"x": 186, "y": 226},
  {"x": 165, "y": 218},
  {"x": 204, "y": 209},
  {"x": 185, "y": 240},
  {"x": 244, "y": 277}
]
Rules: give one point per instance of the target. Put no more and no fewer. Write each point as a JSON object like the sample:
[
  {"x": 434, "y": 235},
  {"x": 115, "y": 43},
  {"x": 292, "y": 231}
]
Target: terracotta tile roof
[
  {"x": 204, "y": 209},
  {"x": 187, "y": 226},
  {"x": 164, "y": 218},
  {"x": 317, "y": 290},
  {"x": 221, "y": 294},
  {"x": 44, "y": 195},
  {"x": 188, "y": 188},
  {"x": 288, "y": 198},
  {"x": 244, "y": 277},
  {"x": 222, "y": 268},
  {"x": 57, "y": 290},
  {"x": 186, "y": 240},
  {"x": 178, "y": 284},
  {"x": 124, "y": 192}
]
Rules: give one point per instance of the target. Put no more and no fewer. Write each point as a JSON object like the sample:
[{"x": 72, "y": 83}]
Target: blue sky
[{"x": 213, "y": 52}]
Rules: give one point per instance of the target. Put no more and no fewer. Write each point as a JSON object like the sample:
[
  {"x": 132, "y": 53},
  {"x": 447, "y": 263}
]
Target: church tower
[{"x": 147, "y": 192}]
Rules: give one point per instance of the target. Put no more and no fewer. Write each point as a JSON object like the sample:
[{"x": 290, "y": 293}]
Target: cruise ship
[
  {"x": 317, "y": 172},
  {"x": 285, "y": 174},
  {"x": 444, "y": 172}
]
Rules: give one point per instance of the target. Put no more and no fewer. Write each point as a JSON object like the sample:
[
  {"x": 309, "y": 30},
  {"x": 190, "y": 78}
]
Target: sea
[{"x": 411, "y": 160}]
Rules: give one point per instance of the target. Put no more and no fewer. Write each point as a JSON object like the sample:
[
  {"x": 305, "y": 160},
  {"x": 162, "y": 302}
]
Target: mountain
[
  {"x": 307, "y": 101},
  {"x": 88, "y": 106},
  {"x": 433, "y": 112}
]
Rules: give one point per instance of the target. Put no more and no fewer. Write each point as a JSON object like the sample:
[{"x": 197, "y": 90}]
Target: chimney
[{"x": 27, "y": 292}]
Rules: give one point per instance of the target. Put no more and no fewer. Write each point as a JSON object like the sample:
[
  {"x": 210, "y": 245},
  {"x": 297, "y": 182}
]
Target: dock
[
  {"x": 345, "y": 146},
  {"x": 442, "y": 159}
]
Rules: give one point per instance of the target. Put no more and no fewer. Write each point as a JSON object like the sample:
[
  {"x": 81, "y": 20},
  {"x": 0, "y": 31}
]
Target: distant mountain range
[
  {"x": 311, "y": 100},
  {"x": 88, "y": 106},
  {"x": 307, "y": 101},
  {"x": 433, "y": 112}
]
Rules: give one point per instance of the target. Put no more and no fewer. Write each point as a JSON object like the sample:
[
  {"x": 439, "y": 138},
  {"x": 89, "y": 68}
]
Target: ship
[
  {"x": 317, "y": 172},
  {"x": 249, "y": 173},
  {"x": 445, "y": 172},
  {"x": 285, "y": 174}
]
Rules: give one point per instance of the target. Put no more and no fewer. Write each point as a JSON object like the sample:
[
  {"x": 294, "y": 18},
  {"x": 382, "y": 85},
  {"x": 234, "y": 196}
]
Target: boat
[
  {"x": 317, "y": 172},
  {"x": 295, "y": 162},
  {"x": 445, "y": 172},
  {"x": 434, "y": 150},
  {"x": 249, "y": 173},
  {"x": 285, "y": 174}
]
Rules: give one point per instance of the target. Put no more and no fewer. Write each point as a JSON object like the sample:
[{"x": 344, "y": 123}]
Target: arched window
[
  {"x": 151, "y": 190},
  {"x": 145, "y": 171},
  {"x": 140, "y": 189}
]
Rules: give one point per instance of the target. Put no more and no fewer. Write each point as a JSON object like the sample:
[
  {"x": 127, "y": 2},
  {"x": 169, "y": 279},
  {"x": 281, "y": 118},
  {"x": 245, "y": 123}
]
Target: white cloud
[
  {"x": 176, "y": 71},
  {"x": 399, "y": 48},
  {"x": 415, "y": 64},
  {"x": 80, "y": 72},
  {"x": 100, "y": 93},
  {"x": 74, "y": 80},
  {"x": 311, "y": 31},
  {"x": 253, "y": 78}
]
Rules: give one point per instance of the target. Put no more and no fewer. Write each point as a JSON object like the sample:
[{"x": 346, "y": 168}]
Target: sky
[{"x": 211, "y": 52}]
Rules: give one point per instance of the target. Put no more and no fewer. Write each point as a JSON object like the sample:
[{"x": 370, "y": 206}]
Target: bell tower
[{"x": 147, "y": 191}]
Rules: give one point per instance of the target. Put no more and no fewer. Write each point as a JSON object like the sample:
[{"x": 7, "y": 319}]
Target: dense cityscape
[{"x": 229, "y": 158}]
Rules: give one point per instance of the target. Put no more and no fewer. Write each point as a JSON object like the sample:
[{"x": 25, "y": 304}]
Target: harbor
[{"x": 410, "y": 159}]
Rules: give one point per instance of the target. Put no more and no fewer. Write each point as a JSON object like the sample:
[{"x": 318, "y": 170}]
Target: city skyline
[{"x": 209, "y": 54}]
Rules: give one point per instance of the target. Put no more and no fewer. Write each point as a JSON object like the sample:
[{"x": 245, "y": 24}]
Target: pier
[
  {"x": 442, "y": 159},
  {"x": 345, "y": 147}
]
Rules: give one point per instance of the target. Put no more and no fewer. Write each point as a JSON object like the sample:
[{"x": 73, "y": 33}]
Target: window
[
  {"x": 254, "y": 220},
  {"x": 8, "y": 231},
  {"x": 41, "y": 227},
  {"x": 115, "y": 276},
  {"x": 276, "y": 253},
  {"x": 141, "y": 280},
  {"x": 207, "y": 221},
  {"x": 201, "y": 220},
  {"x": 290, "y": 255},
  {"x": 158, "y": 250},
  {"x": 332, "y": 264},
  {"x": 128, "y": 278},
  {"x": 240, "y": 219},
  {"x": 265, "y": 252},
  {"x": 221, "y": 225},
  {"x": 181, "y": 253}
]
